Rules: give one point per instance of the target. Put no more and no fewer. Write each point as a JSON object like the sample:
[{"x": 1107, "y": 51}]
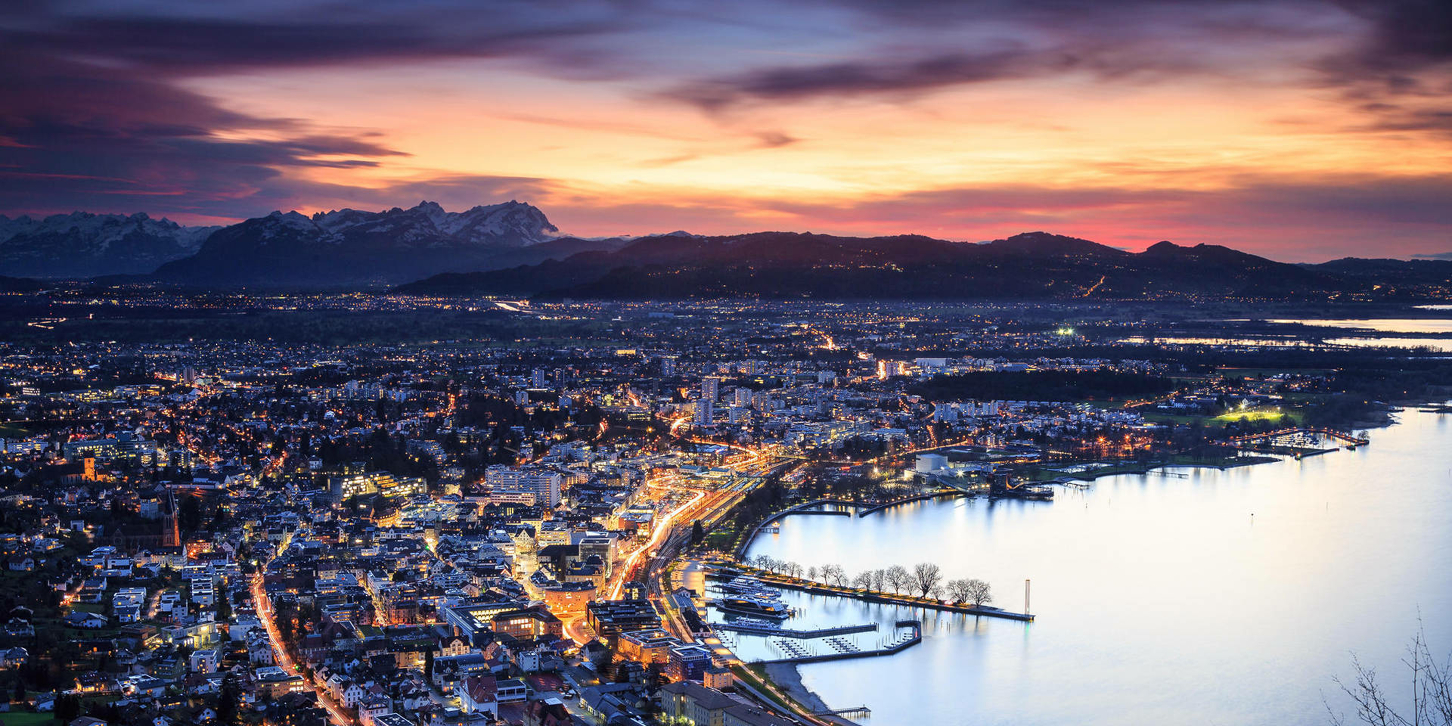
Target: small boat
[{"x": 751, "y": 622}]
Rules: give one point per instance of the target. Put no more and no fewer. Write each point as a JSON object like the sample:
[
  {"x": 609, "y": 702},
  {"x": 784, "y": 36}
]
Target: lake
[{"x": 1196, "y": 596}]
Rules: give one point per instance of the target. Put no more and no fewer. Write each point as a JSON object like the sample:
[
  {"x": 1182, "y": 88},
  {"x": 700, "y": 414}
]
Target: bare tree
[
  {"x": 792, "y": 569},
  {"x": 1431, "y": 703},
  {"x": 834, "y": 575},
  {"x": 879, "y": 579},
  {"x": 977, "y": 592},
  {"x": 957, "y": 590},
  {"x": 863, "y": 580},
  {"x": 925, "y": 577},
  {"x": 812, "y": 572},
  {"x": 898, "y": 578}
]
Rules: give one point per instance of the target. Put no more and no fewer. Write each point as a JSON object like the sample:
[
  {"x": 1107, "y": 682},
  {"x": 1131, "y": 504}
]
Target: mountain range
[
  {"x": 81, "y": 244},
  {"x": 346, "y": 247},
  {"x": 513, "y": 249},
  {"x": 352, "y": 247}
]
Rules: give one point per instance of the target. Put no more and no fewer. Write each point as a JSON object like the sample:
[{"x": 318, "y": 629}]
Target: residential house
[{"x": 478, "y": 694}]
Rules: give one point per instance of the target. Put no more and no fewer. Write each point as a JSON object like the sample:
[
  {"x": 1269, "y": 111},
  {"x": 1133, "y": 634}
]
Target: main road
[
  {"x": 263, "y": 604},
  {"x": 671, "y": 531},
  {"x": 708, "y": 508}
]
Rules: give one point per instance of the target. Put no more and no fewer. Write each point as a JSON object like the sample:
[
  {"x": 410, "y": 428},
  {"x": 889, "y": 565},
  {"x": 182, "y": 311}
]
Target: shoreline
[
  {"x": 1439, "y": 405},
  {"x": 788, "y": 677},
  {"x": 1089, "y": 477}
]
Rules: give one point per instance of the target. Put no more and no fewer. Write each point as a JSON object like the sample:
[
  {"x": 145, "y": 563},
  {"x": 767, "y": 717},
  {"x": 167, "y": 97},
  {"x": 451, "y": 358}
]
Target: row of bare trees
[{"x": 925, "y": 579}]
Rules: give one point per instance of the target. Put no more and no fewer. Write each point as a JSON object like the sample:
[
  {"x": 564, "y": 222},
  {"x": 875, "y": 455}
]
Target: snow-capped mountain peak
[
  {"x": 82, "y": 243},
  {"x": 510, "y": 224},
  {"x": 426, "y": 237}
]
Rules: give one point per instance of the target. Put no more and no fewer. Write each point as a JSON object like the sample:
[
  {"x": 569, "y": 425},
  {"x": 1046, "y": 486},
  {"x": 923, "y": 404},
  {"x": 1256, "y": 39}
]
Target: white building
[
  {"x": 931, "y": 463},
  {"x": 544, "y": 484},
  {"x": 204, "y": 661}
]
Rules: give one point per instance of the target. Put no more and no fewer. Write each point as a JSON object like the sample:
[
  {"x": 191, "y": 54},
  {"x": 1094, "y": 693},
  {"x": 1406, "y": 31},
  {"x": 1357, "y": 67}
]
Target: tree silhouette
[
  {"x": 1431, "y": 691},
  {"x": 925, "y": 577}
]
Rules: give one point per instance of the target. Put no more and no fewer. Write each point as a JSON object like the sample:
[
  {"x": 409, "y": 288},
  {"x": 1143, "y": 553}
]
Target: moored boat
[{"x": 754, "y": 606}]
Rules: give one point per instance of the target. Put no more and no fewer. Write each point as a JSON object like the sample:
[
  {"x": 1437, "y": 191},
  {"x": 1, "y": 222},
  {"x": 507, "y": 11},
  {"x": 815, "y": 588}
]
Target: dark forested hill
[{"x": 1035, "y": 265}]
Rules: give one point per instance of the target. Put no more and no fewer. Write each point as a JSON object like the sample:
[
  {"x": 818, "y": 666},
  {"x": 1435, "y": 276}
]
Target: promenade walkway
[{"x": 885, "y": 598}]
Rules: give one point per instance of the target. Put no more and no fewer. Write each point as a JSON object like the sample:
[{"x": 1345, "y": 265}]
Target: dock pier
[
  {"x": 855, "y": 712},
  {"x": 775, "y": 631},
  {"x": 843, "y": 650}
]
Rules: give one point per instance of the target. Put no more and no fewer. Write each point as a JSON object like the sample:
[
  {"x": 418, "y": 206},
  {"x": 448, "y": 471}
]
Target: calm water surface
[
  {"x": 1443, "y": 345},
  {"x": 1219, "y": 598},
  {"x": 1382, "y": 325},
  {"x": 1438, "y": 344}
]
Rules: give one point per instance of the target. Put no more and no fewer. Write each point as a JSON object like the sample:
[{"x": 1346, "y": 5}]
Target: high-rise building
[
  {"x": 667, "y": 366},
  {"x": 706, "y": 406},
  {"x": 540, "y": 380},
  {"x": 544, "y": 484}
]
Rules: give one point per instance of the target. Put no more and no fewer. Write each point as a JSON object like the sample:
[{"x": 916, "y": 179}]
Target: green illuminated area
[{"x": 1257, "y": 414}]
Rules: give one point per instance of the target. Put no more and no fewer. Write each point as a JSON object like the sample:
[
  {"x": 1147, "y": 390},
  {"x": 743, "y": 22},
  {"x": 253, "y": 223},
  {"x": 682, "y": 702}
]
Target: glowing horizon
[{"x": 1296, "y": 130}]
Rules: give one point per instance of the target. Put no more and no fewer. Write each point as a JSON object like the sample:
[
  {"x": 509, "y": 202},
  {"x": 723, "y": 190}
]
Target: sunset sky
[{"x": 1299, "y": 130}]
